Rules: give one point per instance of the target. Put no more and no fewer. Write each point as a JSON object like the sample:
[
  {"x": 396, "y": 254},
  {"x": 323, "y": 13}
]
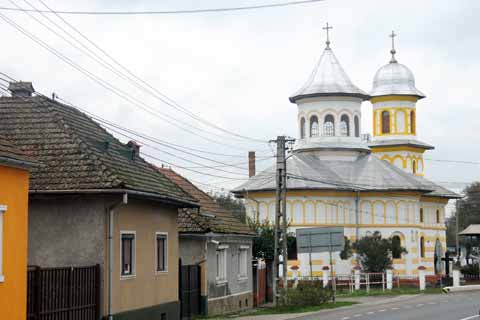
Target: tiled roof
[
  {"x": 212, "y": 217},
  {"x": 76, "y": 153},
  {"x": 10, "y": 154}
]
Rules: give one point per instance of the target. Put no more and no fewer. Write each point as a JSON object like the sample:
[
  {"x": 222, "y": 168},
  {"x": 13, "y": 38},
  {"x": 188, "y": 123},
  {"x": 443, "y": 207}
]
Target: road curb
[{"x": 473, "y": 287}]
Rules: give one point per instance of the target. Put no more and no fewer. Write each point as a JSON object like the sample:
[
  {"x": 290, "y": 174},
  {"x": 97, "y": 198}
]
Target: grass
[{"x": 393, "y": 292}]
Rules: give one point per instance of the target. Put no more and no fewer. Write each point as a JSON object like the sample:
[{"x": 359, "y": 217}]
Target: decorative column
[
  {"x": 357, "y": 277},
  {"x": 456, "y": 278},
  {"x": 326, "y": 276},
  {"x": 421, "y": 277},
  {"x": 389, "y": 279}
]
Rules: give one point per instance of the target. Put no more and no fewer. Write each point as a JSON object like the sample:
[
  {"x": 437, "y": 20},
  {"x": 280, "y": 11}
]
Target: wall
[
  {"x": 148, "y": 293},
  {"x": 13, "y": 291}
]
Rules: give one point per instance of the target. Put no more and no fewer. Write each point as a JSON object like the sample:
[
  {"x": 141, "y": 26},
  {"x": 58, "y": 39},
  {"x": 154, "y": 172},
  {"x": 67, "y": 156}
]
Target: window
[
  {"x": 161, "y": 244},
  {"x": 314, "y": 126},
  {"x": 438, "y": 216},
  {"x": 396, "y": 250},
  {"x": 302, "y": 128},
  {"x": 127, "y": 249},
  {"x": 357, "y": 126},
  {"x": 421, "y": 215},
  {"x": 221, "y": 275},
  {"x": 412, "y": 122},
  {"x": 243, "y": 263},
  {"x": 385, "y": 122},
  {"x": 422, "y": 247},
  {"x": 344, "y": 126},
  {"x": 2, "y": 213},
  {"x": 414, "y": 166},
  {"x": 329, "y": 126}
]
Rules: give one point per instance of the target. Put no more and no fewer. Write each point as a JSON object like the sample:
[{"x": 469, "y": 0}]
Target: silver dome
[
  {"x": 395, "y": 79},
  {"x": 328, "y": 79}
]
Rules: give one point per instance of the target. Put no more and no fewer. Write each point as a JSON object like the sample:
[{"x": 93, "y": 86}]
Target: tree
[
  {"x": 375, "y": 253},
  {"x": 228, "y": 202},
  {"x": 263, "y": 243},
  {"x": 347, "y": 251}
]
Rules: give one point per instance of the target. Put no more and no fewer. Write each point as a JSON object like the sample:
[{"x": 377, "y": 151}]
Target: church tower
[{"x": 394, "y": 97}]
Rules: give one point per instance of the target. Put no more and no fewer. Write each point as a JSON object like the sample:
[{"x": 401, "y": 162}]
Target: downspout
[
  {"x": 111, "y": 214},
  {"x": 357, "y": 220}
]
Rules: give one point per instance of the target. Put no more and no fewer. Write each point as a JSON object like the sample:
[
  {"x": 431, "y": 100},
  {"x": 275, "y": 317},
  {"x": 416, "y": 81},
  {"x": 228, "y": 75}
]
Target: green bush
[{"x": 308, "y": 293}]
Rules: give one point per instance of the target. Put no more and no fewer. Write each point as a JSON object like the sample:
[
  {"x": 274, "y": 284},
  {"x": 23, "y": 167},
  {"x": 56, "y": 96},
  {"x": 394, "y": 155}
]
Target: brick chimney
[
  {"x": 135, "y": 149},
  {"x": 251, "y": 164},
  {"x": 21, "y": 89}
]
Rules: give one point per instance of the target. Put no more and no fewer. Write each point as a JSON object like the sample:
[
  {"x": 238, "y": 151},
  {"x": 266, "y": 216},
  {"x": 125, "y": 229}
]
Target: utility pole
[{"x": 281, "y": 223}]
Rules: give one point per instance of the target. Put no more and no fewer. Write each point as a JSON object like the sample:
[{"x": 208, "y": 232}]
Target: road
[{"x": 453, "y": 306}]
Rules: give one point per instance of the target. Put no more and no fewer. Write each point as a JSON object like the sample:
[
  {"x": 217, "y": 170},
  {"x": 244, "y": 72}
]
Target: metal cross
[
  {"x": 327, "y": 28},
  {"x": 393, "y": 35}
]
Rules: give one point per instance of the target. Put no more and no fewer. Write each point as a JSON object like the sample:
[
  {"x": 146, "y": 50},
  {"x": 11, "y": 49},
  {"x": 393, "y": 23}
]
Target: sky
[{"x": 237, "y": 70}]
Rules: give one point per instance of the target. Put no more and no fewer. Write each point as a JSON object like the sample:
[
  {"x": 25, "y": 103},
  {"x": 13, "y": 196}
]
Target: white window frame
[
  {"x": 3, "y": 209},
  {"x": 134, "y": 255},
  {"x": 221, "y": 275},
  {"x": 165, "y": 250},
  {"x": 243, "y": 250}
]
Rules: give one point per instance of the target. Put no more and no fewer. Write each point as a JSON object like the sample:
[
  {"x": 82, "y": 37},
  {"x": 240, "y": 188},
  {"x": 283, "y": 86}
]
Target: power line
[{"x": 171, "y": 12}]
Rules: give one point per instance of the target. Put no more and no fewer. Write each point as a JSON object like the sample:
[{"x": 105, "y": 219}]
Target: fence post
[
  {"x": 367, "y": 280},
  {"x": 456, "y": 278},
  {"x": 357, "y": 279},
  {"x": 97, "y": 290},
  {"x": 326, "y": 276},
  {"x": 37, "y": 294},
  {"x": 383, "y": 282},
  {"x": 421, "y": 277},
  {"x": 389, "y": 279}
]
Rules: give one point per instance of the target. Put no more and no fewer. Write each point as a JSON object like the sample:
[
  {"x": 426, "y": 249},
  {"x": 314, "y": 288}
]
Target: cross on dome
[
  {"x": 393, "y": 35},
  {"x": 327, "y": 28}
]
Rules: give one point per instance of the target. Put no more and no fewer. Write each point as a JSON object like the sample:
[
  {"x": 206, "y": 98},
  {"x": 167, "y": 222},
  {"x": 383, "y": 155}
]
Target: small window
[
  {"x": 397, "y": 243},
  {"x": 412, "y": 122},
  {"x": 3, "y": 209},
  {"x": 344, "y": 126},
  {"x": 221, "y": 275},
  {"x": 302, "y": 128},
  {"x": 162, "y": 252},
  {"x": 421, "y": 215},
  {"x": 314, "y": 126},
  {"x": 357, "y": 126},
  {"x": 422, "y": 247},
  {"x": 243, "y": 262},
  {"x": 414, "y": 166},
  {"x": 385, "y": 122},
  {"x": 127, "y": 249},
  {"x": 329, "y": 126},
  {"x": 438, "y": 216}
]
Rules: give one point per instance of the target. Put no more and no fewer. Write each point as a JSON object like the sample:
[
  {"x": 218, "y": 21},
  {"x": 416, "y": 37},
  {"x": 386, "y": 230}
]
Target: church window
[
  {"x": 438, "y": 216},
  {"x": 422, "y": 247},
  {"x": 396, "y": 247},
  {"x": 344, "y": 126},
  {"x": 421, "y": 215},
  {"x": 314, "y": 126},
  {"x": 329, "y": 126},
  {"x": 385, "y": 122},
  {"x": 412, "y": 122},
  {"x": 414, "y": 166},
  {"x": 302, "y": 128},
  {"x": 357, "y": 126}
]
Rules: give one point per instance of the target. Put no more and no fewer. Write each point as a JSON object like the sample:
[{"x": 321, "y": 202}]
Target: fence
[{"x": 63, "y": 293}]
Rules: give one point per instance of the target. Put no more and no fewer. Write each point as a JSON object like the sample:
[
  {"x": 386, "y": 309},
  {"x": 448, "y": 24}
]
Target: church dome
[{"x": 394, "y": 79}]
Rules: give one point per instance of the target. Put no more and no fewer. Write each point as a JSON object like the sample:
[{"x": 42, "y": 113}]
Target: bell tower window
[
  {"x": 357, "y": 126},
  {"x": 344, "y": 126},
  {"x": 314, "y": 126},
  {"x": 385, "y": 122},
  {"x": 329, "y": 126},
  {"x": 412, "y": 122},
  {"x": 302, "y": 128}
]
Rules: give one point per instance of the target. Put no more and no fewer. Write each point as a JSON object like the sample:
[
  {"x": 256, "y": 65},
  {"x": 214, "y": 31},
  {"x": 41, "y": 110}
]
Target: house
[
  {"x": 14, "y": 174},
  {"x": 221, "y": 244},
  {"x": 95, "y": 201}
]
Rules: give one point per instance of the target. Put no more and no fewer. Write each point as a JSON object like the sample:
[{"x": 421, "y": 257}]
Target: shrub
[{"x": 308, "y": 293}]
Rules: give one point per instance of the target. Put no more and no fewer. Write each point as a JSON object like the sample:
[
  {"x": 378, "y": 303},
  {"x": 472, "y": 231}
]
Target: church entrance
[{"x": 438, "y": 257}]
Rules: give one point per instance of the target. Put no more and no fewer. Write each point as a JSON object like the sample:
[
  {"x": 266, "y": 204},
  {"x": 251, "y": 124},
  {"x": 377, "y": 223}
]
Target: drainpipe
[
  {"x": 357, "y": 220},
  {"x": 111, "y": 213}
]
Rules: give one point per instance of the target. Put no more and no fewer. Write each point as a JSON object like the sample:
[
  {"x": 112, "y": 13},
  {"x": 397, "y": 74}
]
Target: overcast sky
[{"x": 238, "y": 69}]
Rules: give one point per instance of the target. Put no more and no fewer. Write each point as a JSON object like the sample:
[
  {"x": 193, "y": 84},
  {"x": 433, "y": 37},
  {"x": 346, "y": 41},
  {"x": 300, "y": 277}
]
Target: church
[{"x": 337, "y": 176}]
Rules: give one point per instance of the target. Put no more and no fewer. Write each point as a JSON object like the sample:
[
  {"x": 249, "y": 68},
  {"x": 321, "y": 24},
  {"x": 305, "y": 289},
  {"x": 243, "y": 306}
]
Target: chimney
[
  {"x": 251, "y": 164},
  {"x": 135, "y": 149},
  {"x": 21, "y": 89}
]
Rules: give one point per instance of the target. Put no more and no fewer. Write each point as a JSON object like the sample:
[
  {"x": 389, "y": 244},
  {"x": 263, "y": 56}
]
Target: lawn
[{"x": 393, "y": 292}]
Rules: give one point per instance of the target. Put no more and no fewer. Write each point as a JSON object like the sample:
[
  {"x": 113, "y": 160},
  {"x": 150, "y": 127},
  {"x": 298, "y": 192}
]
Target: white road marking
[
  {"x": 432, "y": 303},
  {"x": 472, "y": 317},
  {"x": 345, "y": 318},
  {"x": 383, "y": 310},
  {"x": 370, "y": 312},
  {"x": 395, "y": 308},
  {"x": 420, "y": 305},
  {"x": 358, "y": 315}
]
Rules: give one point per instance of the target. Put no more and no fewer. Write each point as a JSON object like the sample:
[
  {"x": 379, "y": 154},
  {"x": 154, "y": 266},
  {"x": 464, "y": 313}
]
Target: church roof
[
  {"x": 328, "y": 79},
  {"x": 366, "y": 173},
  {"x": 401, "y": 142}
]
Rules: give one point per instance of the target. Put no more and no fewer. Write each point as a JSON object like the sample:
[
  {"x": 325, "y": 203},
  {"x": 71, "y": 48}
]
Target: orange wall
[{"x": 13, "y": 291}]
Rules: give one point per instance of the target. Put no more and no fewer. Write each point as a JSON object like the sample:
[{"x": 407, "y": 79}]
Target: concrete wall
[{"x": 192, "y": 250}]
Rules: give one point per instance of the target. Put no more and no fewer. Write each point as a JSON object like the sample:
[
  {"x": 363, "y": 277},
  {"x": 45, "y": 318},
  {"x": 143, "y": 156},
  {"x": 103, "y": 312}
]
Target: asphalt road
[{"x": 453, "y": 306}]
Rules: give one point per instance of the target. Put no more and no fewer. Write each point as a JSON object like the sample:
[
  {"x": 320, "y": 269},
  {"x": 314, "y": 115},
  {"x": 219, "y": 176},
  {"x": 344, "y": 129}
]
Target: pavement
[{"x": 452, "y": 306}]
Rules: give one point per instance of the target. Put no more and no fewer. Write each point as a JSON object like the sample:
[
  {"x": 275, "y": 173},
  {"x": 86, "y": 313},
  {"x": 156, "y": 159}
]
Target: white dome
[{"x": 394, "y": 79}]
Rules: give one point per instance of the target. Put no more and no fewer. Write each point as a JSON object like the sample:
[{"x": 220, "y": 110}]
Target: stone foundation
[{"x": 229, "y": 304}]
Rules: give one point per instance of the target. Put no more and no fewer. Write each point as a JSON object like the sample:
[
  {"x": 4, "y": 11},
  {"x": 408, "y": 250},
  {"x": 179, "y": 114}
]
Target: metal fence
[{"x": 71, "y": 293}]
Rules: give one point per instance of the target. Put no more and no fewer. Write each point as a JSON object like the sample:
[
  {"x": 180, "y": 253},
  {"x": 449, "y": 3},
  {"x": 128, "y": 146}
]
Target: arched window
[
  {"x": 421, "y": 215},
  {"x": 422, "y": 247},
  {"x": 357, "y": 126},
  {"x": 438, "y": 216},
  {"x": 396, "y": 247},
  {"x": 385, "y": 122},
  {"x": 329, "y": 126},
  {"x": 414, "y": 166},
  {"x": 412, "y": 122},
  {"x": 313, "y": 126},
  {"x": 344, "y": 126},
  {"x": 302, "y": 128}
]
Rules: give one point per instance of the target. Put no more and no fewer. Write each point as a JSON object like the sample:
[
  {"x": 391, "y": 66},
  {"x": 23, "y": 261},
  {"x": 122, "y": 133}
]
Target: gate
[
  {"x": 189, "y": 291},
  {"x": 63, "y": 293}
]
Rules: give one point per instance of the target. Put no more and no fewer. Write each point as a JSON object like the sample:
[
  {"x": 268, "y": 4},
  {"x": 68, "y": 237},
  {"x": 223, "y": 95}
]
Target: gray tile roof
[
  {"x": 9, "y": 154},
  {"x": 366, "y": 173},
  {"x": 77, "y": 154}
]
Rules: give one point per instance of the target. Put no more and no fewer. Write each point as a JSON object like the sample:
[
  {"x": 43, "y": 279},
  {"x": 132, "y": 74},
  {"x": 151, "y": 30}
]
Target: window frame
[
  {"x": 165, "y": 252},
  {"x": 438, "y": 217},
  {"x": 422, "y": 216},
  {"x": 412, "y": 122},
  {"x": 314, "y": 131},
  {"x": 133, "y": 255},
  {"x": 385, "y": 116},
  {"x": 422, "y": 247},
  {"x": 220, "y": 278},
  {"x": 3, "y": 210},
  {"x": 328, "y": 128},
  {"x": 345, "y": 125},
  {"x": 243, "y": 250}
]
